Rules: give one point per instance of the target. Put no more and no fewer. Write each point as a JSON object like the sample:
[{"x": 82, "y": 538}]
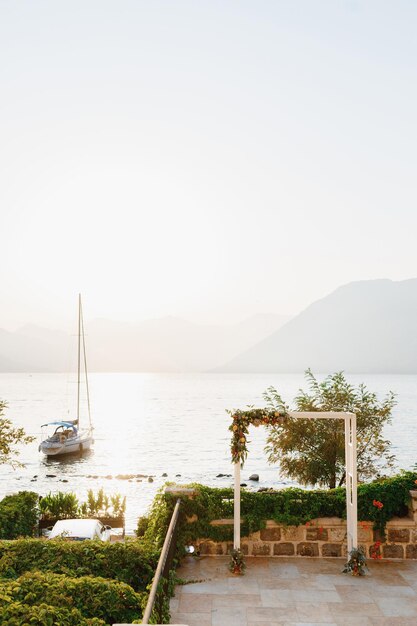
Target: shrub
[
  {"x": 109, "y": 600},
  {"x": 103, "y": 505},
  {"x": 19, "y": 515},
  {"x": 66, "y": 505},
  {"x": 16, "y": 614},
  {"x": 61, "y": 505},
  {"x": 128, "y": 562}
]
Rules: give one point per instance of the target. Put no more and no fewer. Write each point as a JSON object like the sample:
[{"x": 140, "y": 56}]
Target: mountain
[
  {"x": 362, "y": 327},
  {"x": 167, "y": 344}
]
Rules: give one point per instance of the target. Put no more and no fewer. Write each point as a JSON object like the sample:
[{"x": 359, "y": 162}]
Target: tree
[
  {"x": 10, "y": 437},
  {"x": 313, "y": 451}
]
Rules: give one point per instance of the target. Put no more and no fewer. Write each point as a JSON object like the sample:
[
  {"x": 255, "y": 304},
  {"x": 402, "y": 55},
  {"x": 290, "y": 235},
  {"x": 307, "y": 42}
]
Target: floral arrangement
[
  {"x": 237, "y": 563},
  {"x": 240, "y": 428},
  {"x": 375, "y": 550},
  {"x": 378, "y": 504},
  {"x": 357, "y": 562}
]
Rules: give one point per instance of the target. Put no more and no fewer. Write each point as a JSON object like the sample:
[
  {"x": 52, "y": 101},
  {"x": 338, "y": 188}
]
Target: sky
[{"x": 204, "y": 159}]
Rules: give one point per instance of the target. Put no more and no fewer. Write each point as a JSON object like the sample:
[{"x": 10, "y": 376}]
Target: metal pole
[{"x": 236, "y": 528}]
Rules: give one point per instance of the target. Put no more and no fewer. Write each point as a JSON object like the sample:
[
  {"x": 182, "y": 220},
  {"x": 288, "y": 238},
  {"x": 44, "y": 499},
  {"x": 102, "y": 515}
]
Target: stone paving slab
[{"x": 289, "y": 592}]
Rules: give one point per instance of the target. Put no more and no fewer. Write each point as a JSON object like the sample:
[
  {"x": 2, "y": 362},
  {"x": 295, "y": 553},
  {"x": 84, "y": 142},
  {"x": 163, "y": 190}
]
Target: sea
[{"x": 153, "y": 428}]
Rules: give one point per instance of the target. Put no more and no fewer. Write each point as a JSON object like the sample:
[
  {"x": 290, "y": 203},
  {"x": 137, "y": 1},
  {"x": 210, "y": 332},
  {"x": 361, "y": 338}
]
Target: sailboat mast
[
  {"x": 79, "y": 358},
  {"x": 85, "y": 369}
]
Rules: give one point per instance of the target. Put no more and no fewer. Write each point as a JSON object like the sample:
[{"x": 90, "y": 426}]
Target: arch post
[
  {"x": 236, "y": 509},
  {"x": 351, "y": 482}
]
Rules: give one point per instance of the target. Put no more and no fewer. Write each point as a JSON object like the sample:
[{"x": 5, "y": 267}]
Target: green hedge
[
  {"x": 17, "y": 614},
  {"x": 288, "y": 506},
  {"x": 19, "y": 515},
  {"x": 130, "y": 562},
  {"x": 109, "y": 600}
]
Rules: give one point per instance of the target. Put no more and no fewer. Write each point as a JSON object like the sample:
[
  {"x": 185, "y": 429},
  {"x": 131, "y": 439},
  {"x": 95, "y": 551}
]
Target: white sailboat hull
[{"x": 81, "y": 442}]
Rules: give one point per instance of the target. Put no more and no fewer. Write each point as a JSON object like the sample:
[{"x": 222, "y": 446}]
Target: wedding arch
[{"x": 270, "y": 417}]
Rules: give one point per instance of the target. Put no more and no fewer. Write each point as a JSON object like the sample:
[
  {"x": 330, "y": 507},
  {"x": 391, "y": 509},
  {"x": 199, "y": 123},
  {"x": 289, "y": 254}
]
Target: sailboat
[{"x": 67, "y": 436}]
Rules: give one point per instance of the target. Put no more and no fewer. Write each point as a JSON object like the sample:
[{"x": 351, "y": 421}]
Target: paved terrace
[{"x": 295, "y": 592}]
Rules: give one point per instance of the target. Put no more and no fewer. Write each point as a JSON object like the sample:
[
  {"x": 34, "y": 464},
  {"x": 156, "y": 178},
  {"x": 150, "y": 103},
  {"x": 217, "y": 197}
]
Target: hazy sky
[{"x": 205, "y": 159}]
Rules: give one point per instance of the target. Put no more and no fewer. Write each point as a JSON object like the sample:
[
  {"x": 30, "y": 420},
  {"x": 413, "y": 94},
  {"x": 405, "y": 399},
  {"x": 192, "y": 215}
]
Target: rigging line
[{"x": 85, "y": 367}]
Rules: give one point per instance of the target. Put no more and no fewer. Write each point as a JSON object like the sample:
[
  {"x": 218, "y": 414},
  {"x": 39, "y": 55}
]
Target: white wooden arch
[{"x": 351, "y": 477}]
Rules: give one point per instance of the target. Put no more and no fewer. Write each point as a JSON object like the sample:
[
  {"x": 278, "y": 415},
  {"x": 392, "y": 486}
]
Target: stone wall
[{"x": 324, "y": 537}]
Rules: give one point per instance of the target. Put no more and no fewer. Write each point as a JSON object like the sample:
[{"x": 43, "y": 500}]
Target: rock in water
[
  {"x": 254, "y": 477},
  {"x": 150, "y": 479}
]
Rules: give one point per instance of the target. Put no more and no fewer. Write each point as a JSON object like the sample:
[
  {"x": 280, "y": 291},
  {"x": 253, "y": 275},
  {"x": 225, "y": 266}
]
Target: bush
[
  {"x": 108, "y": 600},
  {"x": 61, "y": 505},
  {"x": 19, "y": 515},
  {"x": 16, "y": 614},
  {"x": 66, "y": 505},
  {"x": 128, "y": 562}
]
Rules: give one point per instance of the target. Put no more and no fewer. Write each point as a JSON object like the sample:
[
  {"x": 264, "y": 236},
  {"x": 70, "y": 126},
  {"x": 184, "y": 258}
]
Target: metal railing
[{"x": 164, "y": 563}]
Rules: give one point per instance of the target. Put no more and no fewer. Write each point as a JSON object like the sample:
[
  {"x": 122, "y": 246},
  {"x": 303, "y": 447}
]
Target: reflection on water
[
  {"x": 71, "y": 458},
  {"x": 147, "y": 425}
]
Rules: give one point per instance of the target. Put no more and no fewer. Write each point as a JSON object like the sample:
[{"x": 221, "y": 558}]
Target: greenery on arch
[{"x": 255, "y": 417}]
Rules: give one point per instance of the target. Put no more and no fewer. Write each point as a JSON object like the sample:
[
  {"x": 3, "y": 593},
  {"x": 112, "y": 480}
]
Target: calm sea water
[{"x": 165, "y": 423}]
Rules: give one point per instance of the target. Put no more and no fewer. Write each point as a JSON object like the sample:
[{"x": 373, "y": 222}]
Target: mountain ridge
[
  {"x": 361, "y": 327},
  {"x": 167, "y": 344}
]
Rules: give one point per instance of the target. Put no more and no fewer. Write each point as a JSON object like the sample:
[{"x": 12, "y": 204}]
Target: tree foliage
[
  {"x": 313, "y": 451},
  {"x": 10, "y": 438},
  {"x": 19, "y": 515}
]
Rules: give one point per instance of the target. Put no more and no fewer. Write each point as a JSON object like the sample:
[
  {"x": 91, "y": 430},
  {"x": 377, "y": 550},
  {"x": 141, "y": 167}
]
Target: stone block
[
  {"x": 413, "y": 501},
  {"x": 398, "y": 535},
  {"x": 378, "y": 536},
  {"x": 284, "y": 549},
  {"x": 337, "y": 534},
  {"x": 411, "y": 551},
  {"x": 317, "y": 534},
  {"x": 414, "y": 536},
  {"x": 243, "y": 546},
  {"x": 293, "y": 533},
  {"x": 211, "y": 548},
  {"x": 392, "y": 551},
  {"x": 255, "y": 536},
  {"x": 307, "y": 549},
  {"x": 331, "y": 549},
  {"x": 261, "y": 549},
  {"x": 270, "y": 534},
  {"x": 365, "y": 535},
  {"x": 181, "y": 492},
  {"x": 329, "y": 521}
]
